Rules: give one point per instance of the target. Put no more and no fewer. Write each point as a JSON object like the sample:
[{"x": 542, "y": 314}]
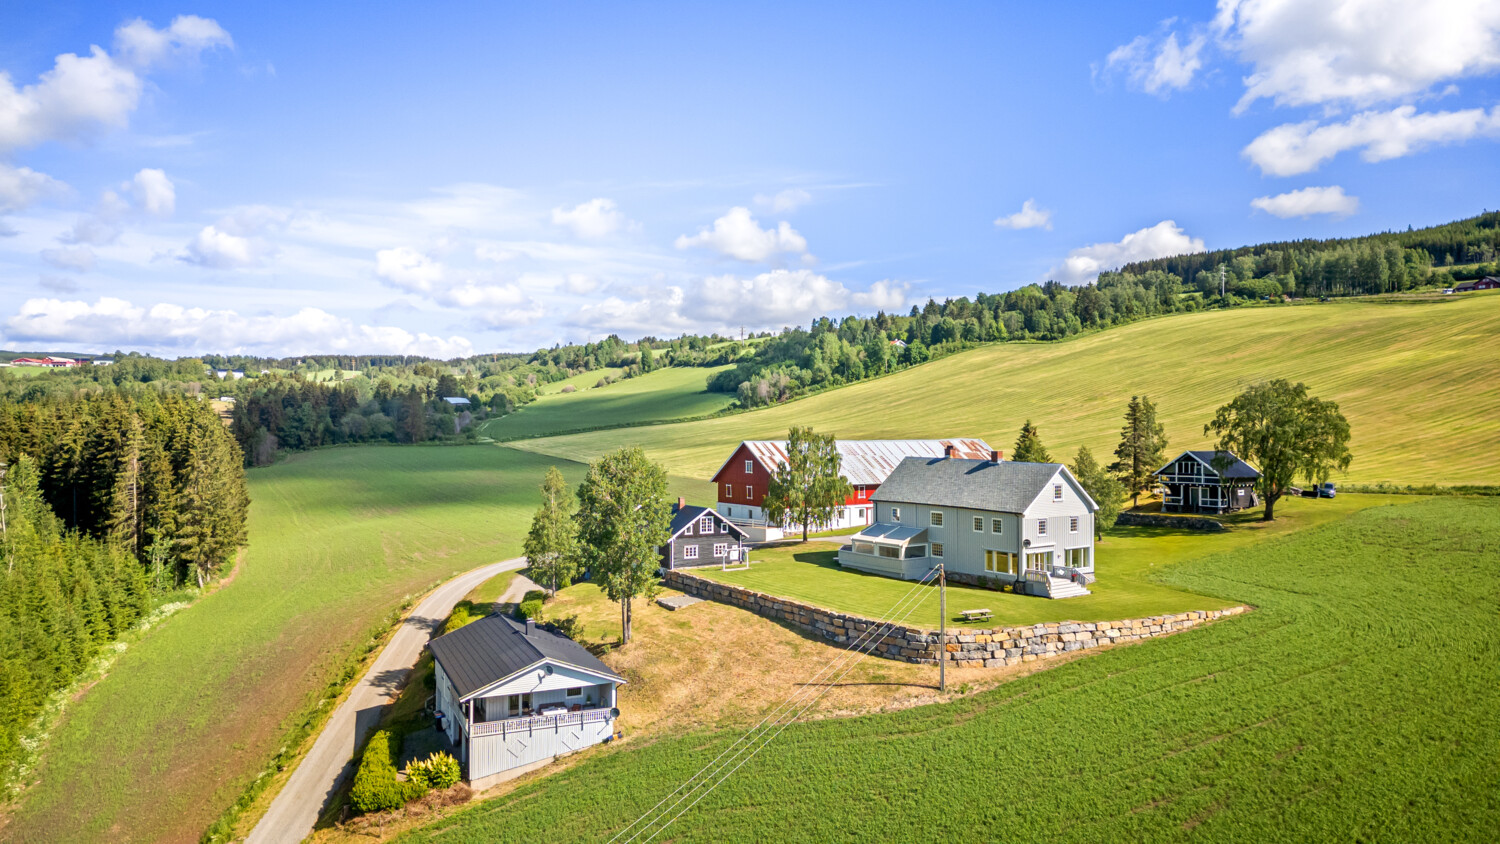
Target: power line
[{"x": 856, "y": 652}]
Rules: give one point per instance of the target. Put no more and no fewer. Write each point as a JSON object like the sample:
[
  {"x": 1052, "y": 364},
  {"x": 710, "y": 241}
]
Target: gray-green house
[{"x": 988, "y": 522}]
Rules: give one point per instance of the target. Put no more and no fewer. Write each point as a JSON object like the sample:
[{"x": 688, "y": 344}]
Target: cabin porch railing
[{"x": 556, "y": 720}]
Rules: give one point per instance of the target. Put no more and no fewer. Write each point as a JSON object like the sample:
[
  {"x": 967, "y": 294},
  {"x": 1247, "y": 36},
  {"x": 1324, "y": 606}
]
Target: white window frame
[
  {"x": 749, "y": 467},
  {"x": 574, "y": 692},
  {"x": 997, "y": 526},
  {"x": 749, "y": 492},
  {"x": 728, "y": 491},
  {"x": 690, "y": 552},
  {"x": 706, "y": 525},
  {"x": 934, "y": 518},
  {"x": 1057, "y": 492},
  {"x": 721, "y": 549},
  {"x": 935, "y": 549},
  {"x": 895, "y": 514},
  {"x": 688, "y": 531},
  {"x": 979, "y": 524},
  {"x": 1072, "y": 524},
  {"x": 1041, "y": 527}
]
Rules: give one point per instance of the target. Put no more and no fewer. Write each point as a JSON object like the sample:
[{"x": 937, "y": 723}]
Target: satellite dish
[
  {"x": 1026, "y": 543},
  {"x": 548, "y": 669}
]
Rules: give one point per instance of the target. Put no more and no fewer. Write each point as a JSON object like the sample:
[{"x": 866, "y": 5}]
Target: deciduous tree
[
  {"x": 1286, "y": 433},
  {"x": 623, "y": 518},
  {"x": 552, "y": 543},
  {"x": 1101, "y": 486},
  {"x": 808, "y": 487}
]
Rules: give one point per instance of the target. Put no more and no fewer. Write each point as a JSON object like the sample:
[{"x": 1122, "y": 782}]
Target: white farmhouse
[
  {"x": 988, "y": 522},
  {"x": 513, "y": 696}
]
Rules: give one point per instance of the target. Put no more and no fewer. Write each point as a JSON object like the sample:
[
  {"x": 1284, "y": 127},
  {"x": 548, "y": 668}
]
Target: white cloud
[
  {"x": 76, "y": 258},
  {"x": 1165, "y": 238},
  {"x": 1308, "y": 201},
  {"x": 82, "y": 95},
  {"x": 220, "y": 250},
  {"x": 102, "y": 227},
  {"x": 141, "y": 44},
  {"x": 595, "y": 218},
  {"x": 1029, "y": 217},
  {"x": 1357, "y": 52},
  {"x": 408, "y": 269},
  {"x": 21, "y": 186},
  {"x": 116, "y": 323},
  {"x": 738, "y": 235},
  {"x": 154, "y": 193},
  {"x": 495, "y": 304},
  {"x": 1158, "y": 65},
  {"x": 1294, "y": 148},
  {"x": 784, "y": 202}
]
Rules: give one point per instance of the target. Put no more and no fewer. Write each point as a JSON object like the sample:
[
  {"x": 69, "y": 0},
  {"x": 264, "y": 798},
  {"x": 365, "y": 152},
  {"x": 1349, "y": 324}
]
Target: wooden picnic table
[{"x": 975, "y": 615}]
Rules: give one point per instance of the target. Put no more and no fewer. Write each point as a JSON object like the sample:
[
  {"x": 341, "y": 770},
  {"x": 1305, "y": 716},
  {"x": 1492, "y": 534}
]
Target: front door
[{"x": 1193, "y": 497}]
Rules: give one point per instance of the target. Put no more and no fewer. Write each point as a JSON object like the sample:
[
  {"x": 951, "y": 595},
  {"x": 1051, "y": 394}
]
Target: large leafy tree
[
  {"x": 1029, "y": 448},
  {"x": 1286, "y": 432},
  {"x": 552, "y": 543},
  {"x": 1142, "y": 448},
  {"x": 1103, "y": 487},
  {"x": 623, "y": 519},
  {"x": 808, "y": 487}
]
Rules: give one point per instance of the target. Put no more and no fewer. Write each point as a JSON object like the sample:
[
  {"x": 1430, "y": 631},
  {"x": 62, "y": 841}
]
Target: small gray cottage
[
  {"x": 1194, "y": 482},
  {"x": 513, "y": 697},
  {"x": 701, "y": 536},
  {"x": 989, "y": 522}
]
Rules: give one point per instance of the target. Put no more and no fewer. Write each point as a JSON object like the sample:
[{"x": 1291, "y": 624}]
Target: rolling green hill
[
  {"x": 673, "y": 393},
  {"x": 1419, "y": 382}
]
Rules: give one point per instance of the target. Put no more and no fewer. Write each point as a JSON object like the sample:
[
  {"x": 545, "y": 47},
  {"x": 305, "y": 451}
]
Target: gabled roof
[
  {"x": 1238, "y": 469},
  {"x": 867, "y": 462},
  {"x": 493, "y": 648},
  {"x": 688, "y": 514},
  {"x": 1004, "y": 487}
]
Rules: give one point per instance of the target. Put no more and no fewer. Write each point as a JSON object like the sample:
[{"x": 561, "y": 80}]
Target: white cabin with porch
[
  {"x": 513, "y": 696},
  {"x": 1029, "y": 526}
]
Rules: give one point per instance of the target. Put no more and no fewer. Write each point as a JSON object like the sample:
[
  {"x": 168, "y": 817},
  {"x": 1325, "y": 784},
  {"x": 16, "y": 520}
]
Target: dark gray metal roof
[
  {"x": 1238, "y": 470},
  {"x": 686, "y": 515},
  {"x": 1005, "y": 487},
  {"x": 495, "y": 647}
]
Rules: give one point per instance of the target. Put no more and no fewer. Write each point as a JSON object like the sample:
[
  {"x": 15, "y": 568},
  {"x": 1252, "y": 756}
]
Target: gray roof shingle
[
  {"x": 1238, "y": 470},
  {"x": 1005, "y": 487},
  {"x": 495, "y": 647}
]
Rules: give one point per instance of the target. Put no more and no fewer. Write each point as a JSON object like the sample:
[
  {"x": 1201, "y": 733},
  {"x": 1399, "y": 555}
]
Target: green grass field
[
  {"x": 191, "y": 713},
  {"x": 674, "y": 393},
  {"x": 1358, "y": 702},
  {"x": 581, "y": 381},
  {"x": 1420, "y": 384}
]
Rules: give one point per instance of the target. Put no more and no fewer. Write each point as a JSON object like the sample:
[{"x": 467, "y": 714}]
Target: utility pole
[
  {"x": 942, "y": 629},
  {"x": 1221, "y": 281}
]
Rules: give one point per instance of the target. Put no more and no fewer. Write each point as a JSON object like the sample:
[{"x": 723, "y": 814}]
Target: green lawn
[
  {"x": 1420, "y": 384},
  {"x": 1128, "y": 563},
  {"x": 196, "y": 709},
  {"x": 581, "y": 381},
  {"x": 672, "y": 393},
  {"x": 1358, "y": 702}
]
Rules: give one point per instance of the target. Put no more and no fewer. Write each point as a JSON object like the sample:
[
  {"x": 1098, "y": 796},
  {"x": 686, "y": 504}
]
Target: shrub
[
  {"x": 376, "y": 788},
  {"x": 529, "y": 609},
  {"x": 570, "y": 627},
  {"x": 462, "y": 614},
  {"x": 436, "y": 771},
  {"x": 535, "y": 595},
  {"x": 568, "y": 388}
]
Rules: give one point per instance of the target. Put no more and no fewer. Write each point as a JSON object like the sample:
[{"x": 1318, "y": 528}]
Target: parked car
[{"x": 1327, "y": 490}]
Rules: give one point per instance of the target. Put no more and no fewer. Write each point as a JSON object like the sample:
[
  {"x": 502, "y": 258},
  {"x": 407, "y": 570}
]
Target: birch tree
[
  {"x": 623, "y": 519},
  {"x": 552, "y": 543},
  {"x": 808, "y": 487}
]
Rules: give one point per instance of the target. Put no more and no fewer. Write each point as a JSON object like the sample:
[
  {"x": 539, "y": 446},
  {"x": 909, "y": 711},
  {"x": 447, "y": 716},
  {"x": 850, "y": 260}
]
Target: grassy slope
[
  {"x": 189, "y": 715},
  {"x": 674, "y": 393},
  {"x": 581, "y": 381},
  {"x": 1419, "y": 383},
  {"x": 1358, "y": 702}
]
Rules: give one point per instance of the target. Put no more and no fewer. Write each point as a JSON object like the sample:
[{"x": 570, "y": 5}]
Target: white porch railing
[{"x": 556, "y": 720}]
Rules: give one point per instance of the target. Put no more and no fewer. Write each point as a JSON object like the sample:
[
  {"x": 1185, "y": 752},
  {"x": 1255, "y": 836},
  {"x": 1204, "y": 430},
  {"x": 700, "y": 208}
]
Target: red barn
[
  {"x": 743, "y": 479},
  {"x": 1486, "y": 283}
]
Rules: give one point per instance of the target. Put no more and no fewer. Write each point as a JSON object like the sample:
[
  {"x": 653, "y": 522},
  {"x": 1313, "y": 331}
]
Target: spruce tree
[
  {"x": 1142, "y": 448},
  {"x": 1029, "y": 448},
  {"x": 1107, "y": 492}
]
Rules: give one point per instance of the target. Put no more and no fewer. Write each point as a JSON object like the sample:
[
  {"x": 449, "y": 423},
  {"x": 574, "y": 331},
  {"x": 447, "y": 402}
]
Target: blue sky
[{"x": 293, "y": 178}]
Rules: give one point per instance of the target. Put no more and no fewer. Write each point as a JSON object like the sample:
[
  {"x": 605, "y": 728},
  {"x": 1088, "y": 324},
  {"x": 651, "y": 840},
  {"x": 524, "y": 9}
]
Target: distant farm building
[
  {"x": 701, "y": 536},
  {"x": 48, "y": 361},
  {"x": 745, "y": 478},
  {"x": 1486, "y": 283},
  {"x": 1207, "y": 482},
  {"x": 456, "y": 401}
]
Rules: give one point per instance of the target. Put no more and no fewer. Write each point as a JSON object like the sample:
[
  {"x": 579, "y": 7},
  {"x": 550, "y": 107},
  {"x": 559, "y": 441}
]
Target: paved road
[{"x": 300, "y": 802}]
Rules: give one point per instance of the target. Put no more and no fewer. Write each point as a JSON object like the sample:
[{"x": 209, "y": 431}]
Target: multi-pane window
[
  {"x": 729, "y": 491},
  {"x": 979, "y": 524},
  {"x": 997, "y": 526},
  {"x": 749, "y": 467},
  {"x": 749, "y": 492},
  {"x": 1057, "y": 492},
  {"x": 936, "y": 518},
  {"x": 1072, "y": 524},
  {"x": 690, "y": 552},
  {"x": 706, "y": 525},
  {"x": 1041, "y": 527},
  {"x": 895, "y": 514},
  {"x": 937, "y": 549},
  {"x": 1078, "y": 557},
  {"x": 721, "y": 549},
  {"x": 1000, "y": 562}
]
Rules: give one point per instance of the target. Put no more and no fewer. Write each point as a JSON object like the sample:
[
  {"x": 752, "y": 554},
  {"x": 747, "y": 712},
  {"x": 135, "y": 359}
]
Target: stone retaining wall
[
  {"x": 966, "y": 648},
  {"x": 1169, "y": 521}
]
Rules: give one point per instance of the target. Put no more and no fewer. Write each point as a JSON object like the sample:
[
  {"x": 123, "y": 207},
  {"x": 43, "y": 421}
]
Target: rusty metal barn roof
[{"x": 868, "y": 462}]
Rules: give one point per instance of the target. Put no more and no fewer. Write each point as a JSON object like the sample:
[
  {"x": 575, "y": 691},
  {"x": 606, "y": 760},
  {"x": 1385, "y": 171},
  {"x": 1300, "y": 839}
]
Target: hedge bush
[
  {"x": 376, "y": 787},
  {"x": 529, "y": 609},
  {"x": 535, "y": 595},
  {"x": 436, "y": 771}
]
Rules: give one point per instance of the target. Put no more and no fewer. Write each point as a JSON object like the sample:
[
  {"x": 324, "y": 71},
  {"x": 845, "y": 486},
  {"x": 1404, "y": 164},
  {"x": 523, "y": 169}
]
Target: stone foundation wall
[
  {"x": 1170, "y": 521},
  {"x": 989, "y": 648}
]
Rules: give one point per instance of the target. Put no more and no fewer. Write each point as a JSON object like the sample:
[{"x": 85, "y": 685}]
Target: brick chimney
[
  {"x": 949, "y": 450},
  {"x": 995, "y": 456},
  {"x": 681, "y": 502}
]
